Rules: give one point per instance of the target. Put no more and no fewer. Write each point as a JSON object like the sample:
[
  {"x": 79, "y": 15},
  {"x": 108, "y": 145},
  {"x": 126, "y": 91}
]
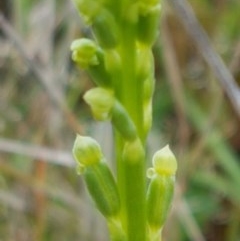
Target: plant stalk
[{"x": 131, "y": 178}]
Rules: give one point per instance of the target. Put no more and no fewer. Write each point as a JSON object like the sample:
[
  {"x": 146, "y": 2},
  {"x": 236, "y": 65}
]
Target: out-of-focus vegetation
[{"x": 41, "y": 197}]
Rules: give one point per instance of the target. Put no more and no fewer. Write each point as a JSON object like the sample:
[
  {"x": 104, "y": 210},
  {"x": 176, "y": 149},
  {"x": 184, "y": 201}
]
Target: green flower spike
[
  {"x": 120, "y": 62},
  {"x": 101, "y": 101},
  {"x": 160, "y": 190}
]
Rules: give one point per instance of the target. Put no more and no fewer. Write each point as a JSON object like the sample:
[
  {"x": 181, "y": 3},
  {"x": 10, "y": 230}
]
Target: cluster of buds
[
  {"x": 103, "y": 189},
  {"x": 101, "y": 58}
]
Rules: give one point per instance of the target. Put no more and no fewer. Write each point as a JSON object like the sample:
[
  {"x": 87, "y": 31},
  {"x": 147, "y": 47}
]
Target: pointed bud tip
[
  {"x": 86, "y": 151},
  {"x": 164, "y": 162}
]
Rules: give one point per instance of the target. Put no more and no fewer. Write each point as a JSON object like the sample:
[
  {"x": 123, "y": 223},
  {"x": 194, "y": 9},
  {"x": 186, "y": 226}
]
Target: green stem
[
  {"x": 135, "y": 203},
  {"x": 131, "y": 91},
  {"x": 131, "y": 176}
]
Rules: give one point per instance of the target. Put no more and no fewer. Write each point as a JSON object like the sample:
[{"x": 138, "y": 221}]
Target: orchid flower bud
[
  {"x": 113, "y": 62},
  {"x": 84, "y": 52},
  {"x": 161, "y": 188},
  {"x": 148, "y": 23},
  {"x": 145, "y": 67},
  {"x": 105, "y": 29},
  {"x": 97, "y": 175},
  {"x": 123, "y": 122},
  {"x": 88, "y": 8},
  {"x": 133, "y": 151},
  {"x": 101, "y": 102},
  {"x": 88, "y": 55},
  {"x": 164, "y": 162},
  {"x": 86, "y": 151}
]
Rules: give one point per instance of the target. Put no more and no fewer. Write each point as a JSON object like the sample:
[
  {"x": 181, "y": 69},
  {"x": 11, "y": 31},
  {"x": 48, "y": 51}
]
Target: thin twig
[
  {"x": 201, "y": 40},
  {"x": 52, "y": 156},
  {"x": 53, "y": 92}
]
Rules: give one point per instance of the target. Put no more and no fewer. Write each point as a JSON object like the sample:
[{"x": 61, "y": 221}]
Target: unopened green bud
[
  {"x": 86, "y": 151},
  {"x": 133, "y": 151},
  {"x": 164, "y": 162},
  {"x": 161, "y": 188},
  {"x": 113, "y": 62},
  {"x": 102, "y": 188},
  {"x": 88, "y": 8},
  {"x": 84, "y": 52},
  {"x": 97, "y": 175},
  {"x": 87, "y": 55},
  {"x": 123, "y": 123},
  {"x": 101, "y": 101},
  {"x": 105, "y": 29},
  {"x": 98, "y": 72},
  {"x": 148, "y": 24},
  {"x": 145, "y": 64}
]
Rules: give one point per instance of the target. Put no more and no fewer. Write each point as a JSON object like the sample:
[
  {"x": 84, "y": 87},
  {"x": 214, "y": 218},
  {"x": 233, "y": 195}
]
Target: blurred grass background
[{"x": 41, "y": 109}]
